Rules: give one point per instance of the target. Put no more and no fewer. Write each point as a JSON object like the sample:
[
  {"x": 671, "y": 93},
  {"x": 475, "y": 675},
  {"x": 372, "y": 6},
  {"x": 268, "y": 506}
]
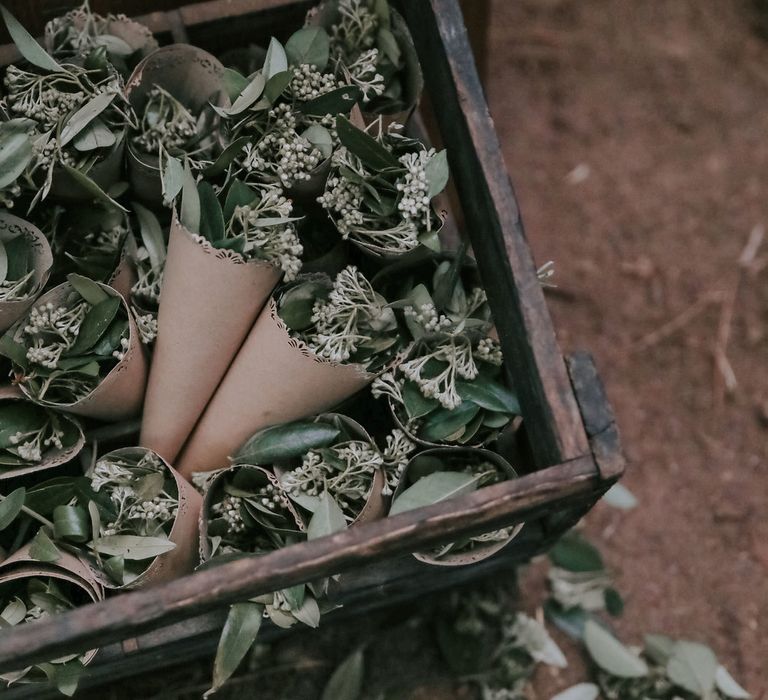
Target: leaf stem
[{"x": 32, "y": 514}]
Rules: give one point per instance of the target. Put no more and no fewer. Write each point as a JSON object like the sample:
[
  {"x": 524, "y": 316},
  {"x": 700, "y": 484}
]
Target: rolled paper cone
[
  {"x": 480, "y": 551},
  {"x": 118, "y": 395},
  {"x": 67, "y": 567},
  {"x": 274, "y": 379},
  {"x": 105, "y": 173},
  {"x": 42, "y": 260},
  {"x": 184, "y": 534},
  {"x": 205, "y": 545},
  {"x": 194, "y": 77},
  {"x": 55, "y": 458},
  {"x": 209, "y": 302},
  {"x": 136, "y": 35}
]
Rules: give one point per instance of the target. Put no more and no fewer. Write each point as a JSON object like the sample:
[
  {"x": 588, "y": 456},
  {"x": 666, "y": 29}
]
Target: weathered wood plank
[
  {"x": 495, "y": 229},
  {"x": 133, "y": 613}
]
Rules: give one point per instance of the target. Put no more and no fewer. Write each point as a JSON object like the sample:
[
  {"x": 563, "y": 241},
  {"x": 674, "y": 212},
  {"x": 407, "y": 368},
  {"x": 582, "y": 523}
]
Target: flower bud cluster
[
  {"x": 166, "y": 124},
  {"x": 414, "y": 204},
  {"x": 33, "y": 445},
  {"x": 50, "y": 330},
  {"x": 308, "y": 83}
]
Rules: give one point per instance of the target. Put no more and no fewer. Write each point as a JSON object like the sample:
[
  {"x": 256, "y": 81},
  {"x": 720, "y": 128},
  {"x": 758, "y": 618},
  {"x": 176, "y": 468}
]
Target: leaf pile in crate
[{"x": 227, "y": 272}]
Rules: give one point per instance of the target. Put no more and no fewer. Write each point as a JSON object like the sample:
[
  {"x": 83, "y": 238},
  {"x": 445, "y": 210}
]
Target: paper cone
[
  {"x": 480, "y": 551},
  {"x": 184, "y": 534},
  {"x": 212, "y": 492},
  {"x": 66, "y": 568},
  {"x": 274, "y": 379},
  {"x": 136, "y": 35},
  {"x": 209, "y": 301},
  {"x": 194, "y": 77},
  {"x": 55, "y": 458},
  {"x": 120, "y": 393},
  {"x": 10, "y": 227}
]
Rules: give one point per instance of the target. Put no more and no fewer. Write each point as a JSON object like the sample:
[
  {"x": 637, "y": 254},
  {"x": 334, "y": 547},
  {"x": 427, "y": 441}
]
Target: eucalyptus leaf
[
  {"x": 327, "y": 518},
  {"x": 365, "y": 147},
  {"x": 16, "y": 150},
  {"x": 309, "y": 45},
  {"x": 95, "y": 135},
  {"x": 574, "y": 553},
  {"x": 610, "y": 654},
  {"x": 171, "y": 177},
  {"x": 444, "y": 422},
  {"x": 11, "y": 506},
  {"x": 234, "y": 83},
  {"x": 728, "y": 686},
  {"x": 26, "y": 44},
  {"x": 433, "y": 488},
  {"x": 14, "y": 612},
  {"x": 42, "y": 548},
  {"x": 659, "y": 648},
  {"x": 276, "y": 60},
  {"x": 132, "y": 547},
  {"x": 85, "y": 115},
  {"x": 96, "y": 322},
  {"x": 619, "y": 496},
  {"x": 89, "y": 187},
  {"x": 211, "y": 215},
  {"x": 693, "y": 666},
  {"x": 237, "y": 637},
  {"x": 276, "y": 86},
  {"x": 437, "y": 173},
  {"x": 286, "y": 441},
  {"x": 320, "y": 138},
  {"x": 580, "y": 691},
  {"x": 248, "y": 96},
  {"x": 238, "y": 195},
  {"x": 151, "y": 235},
  {"x": 338, "y": 101},
  {"x": 190, "y": 202},
  {"x": 71, "y": 523},
  {"x": 488, "y": 394},
  {"x": 346, "y": 682},
  {"x": 308, "y": 613},
  {"x": 87, "y": 288}
]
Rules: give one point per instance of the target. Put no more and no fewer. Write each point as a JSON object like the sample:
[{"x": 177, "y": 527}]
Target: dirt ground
[{"x": 635, "y": 134}]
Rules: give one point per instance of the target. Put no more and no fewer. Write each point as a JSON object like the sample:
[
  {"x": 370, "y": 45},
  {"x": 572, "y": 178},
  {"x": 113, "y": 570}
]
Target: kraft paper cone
[
  {"x": 136, "y": 35},
  {"x": 480, "y": 551},
  {"x": 211, "y": 494},
  {"x": 119, "y": 395},
  {"x": 274, "y": 379},
  {"x": 209, "y": 302},
  {"x": 183, "y": 558},
  {"x": 10, "y": 227},
  {"x": 55, "y": 458},
  {"x": 66, "y": 568},
  {"x": 194, "y": 77}
]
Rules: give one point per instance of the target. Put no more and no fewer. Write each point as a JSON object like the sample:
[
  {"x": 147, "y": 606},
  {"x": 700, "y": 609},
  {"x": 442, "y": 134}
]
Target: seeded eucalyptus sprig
[
  {"x": 372, "y": 48},
  {"x": 33, "y": 435},
  {"x": 80, "y": 31},
  {"x": 76, "y": 112},
  {"x": 380, "y": 190},
  {"x": 64, "y": 347},
  {"x": 344, "y": 321},
  {"x": 449, "y": 387},
  {"x": 255, "y": 221},
  {"x": 283, "y": 118},
  {"x": 31, "y": 598}
]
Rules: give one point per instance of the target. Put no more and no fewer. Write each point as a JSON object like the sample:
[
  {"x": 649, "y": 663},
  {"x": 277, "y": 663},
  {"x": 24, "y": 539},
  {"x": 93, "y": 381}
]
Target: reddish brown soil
[{"x": 663, "y": 105}]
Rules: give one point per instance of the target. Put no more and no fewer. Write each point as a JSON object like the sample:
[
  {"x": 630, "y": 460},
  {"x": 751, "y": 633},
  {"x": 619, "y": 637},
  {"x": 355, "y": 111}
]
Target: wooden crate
[{"x": 569, "y": 430}]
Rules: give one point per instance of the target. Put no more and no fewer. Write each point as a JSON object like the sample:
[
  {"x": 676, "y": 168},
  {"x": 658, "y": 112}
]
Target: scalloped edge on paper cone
[
  {"x": 120, "y": 394},
  {"x": 12, "y": 311},
  {"x": 481, "y": 551},
  {"x": 57, "y": 458}
]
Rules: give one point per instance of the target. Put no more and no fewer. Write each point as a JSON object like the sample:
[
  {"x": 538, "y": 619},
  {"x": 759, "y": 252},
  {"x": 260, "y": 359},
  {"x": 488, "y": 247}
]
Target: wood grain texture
[
  {"x": 496, "y": 231},
  {"x": 133, "y": 613}
]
